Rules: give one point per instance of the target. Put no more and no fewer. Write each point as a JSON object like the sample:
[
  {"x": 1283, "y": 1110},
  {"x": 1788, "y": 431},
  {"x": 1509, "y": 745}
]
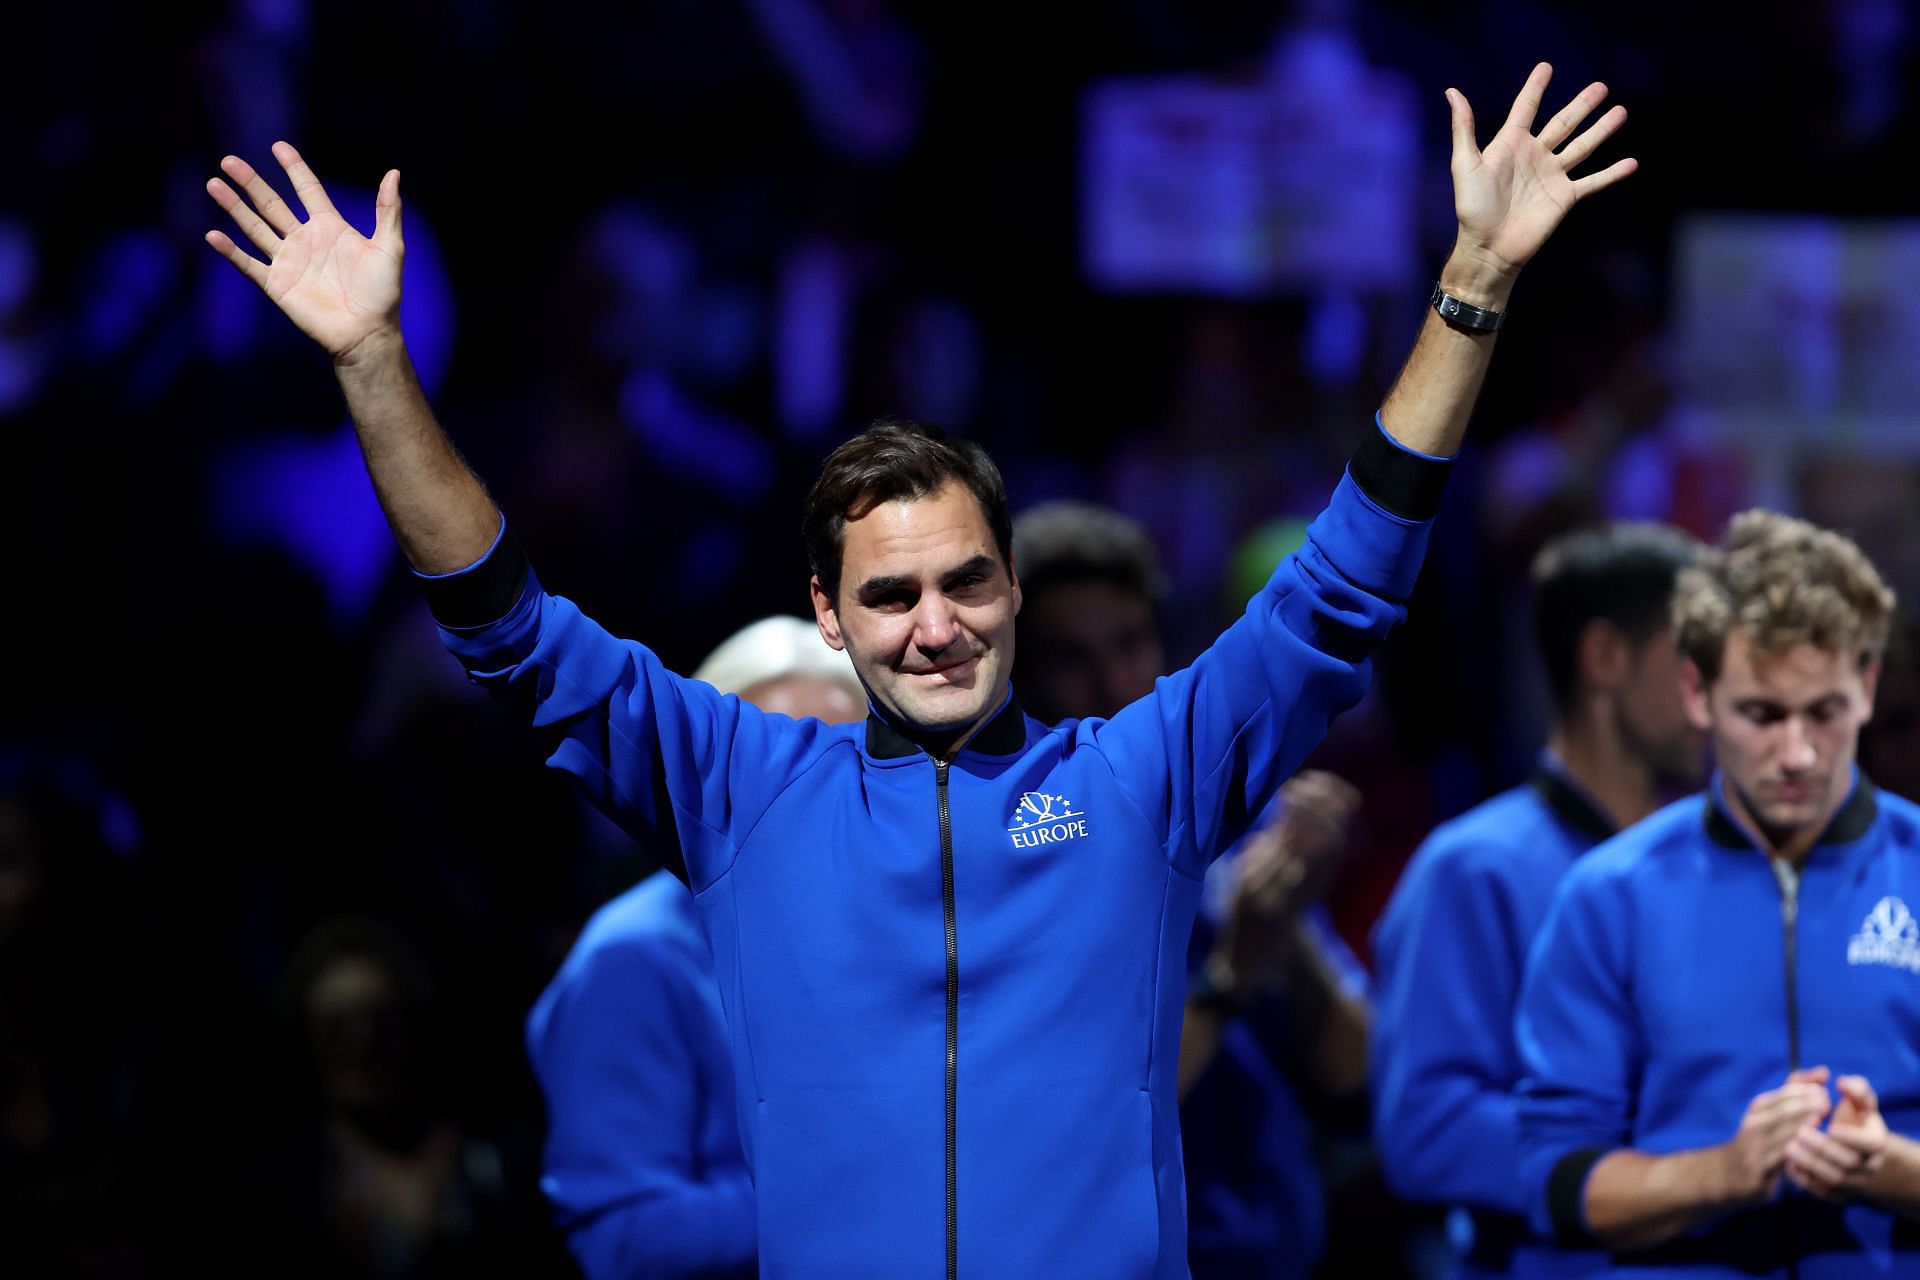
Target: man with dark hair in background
[
  {"x": 1450, "y": 949},
  {"x": 1706, "y": 981},
  {"x": 643, "y": 1165},
  {"x": 950, "y": 944},
  {"x": 1277, "y": 997}
]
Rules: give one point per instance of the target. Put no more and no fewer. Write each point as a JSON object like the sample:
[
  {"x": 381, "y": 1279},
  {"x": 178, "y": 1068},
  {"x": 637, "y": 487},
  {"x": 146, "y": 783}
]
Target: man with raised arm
[
  {"x": 950, "y": 943},
  {"x": 1718, "y": 1019}
]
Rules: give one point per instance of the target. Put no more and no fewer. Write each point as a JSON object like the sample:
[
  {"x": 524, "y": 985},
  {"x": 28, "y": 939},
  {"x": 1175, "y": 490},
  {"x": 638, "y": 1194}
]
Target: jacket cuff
[
  {"x": 1567, "y": 1195},
  {"x": 484, "y": 592},
  {"x": 1401, "y": 481}
]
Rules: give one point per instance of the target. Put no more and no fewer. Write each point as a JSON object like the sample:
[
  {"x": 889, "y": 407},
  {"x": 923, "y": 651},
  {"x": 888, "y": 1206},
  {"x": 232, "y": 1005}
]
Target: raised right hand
[
  {"x": 338, "y": 286},
  {"x": 1757, "y": 1154}
]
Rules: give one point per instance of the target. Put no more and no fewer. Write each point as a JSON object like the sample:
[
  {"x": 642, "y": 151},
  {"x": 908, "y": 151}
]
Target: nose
[
  {"x": 1797, "y": 751},
  {"x": 934, "y": 625}
]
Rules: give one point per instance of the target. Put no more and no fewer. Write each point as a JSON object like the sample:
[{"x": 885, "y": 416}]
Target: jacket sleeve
[
  {"x": 615, "y": 1045},
  {"x": 1203, "y": 753},
  {"x": 669, "y": 759},
  {"x": 1446, "y": 1118},
  {"x": 1580, "y": 1048}
]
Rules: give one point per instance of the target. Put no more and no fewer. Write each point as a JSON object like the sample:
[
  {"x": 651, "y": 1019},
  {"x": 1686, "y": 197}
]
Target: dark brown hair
[
  {"x": 1622, "y": 573},
  {"x": 896, "y": 459}
]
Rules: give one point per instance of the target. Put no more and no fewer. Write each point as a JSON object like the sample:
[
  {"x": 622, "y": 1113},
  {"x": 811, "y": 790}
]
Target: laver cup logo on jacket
[
  {"x": 1890, "y": 936},
  {"x": 1043, "y": 819}
]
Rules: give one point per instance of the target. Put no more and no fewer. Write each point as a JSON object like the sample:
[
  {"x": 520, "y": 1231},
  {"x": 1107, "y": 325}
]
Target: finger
[
  {"x": 386, "y": 212},
  {"x": 1810, "y": 1180},
  {"x": 1465, "y": 149},
  {"x": 1576, "y": 152},
  {"x": 250, "y": 267},
  {"x": 1561, "y": 127},
  {"x": 243, "y": 215},
  {"x": 1584, "y": 187},
  {"x": 1527, "y": 105},
  {"x": 1856, "y": 1090},
  {"x": 312, "y": 195},
  {"x": 276, "y": 211},
  {"x": 1810, "y": 1075},
  {"x": 1813, "y": 1163},
  {"x": 1868, "y": 1145}
]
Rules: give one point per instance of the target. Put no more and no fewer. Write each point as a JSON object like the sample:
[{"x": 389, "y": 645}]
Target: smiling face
[
  {"x": 1785, "y": 730},
  {"x": 925, "y": 610}
]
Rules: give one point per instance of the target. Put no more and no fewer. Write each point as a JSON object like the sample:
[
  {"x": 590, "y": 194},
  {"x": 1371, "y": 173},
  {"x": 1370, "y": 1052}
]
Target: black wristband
[
  {"x": 482, "y": 594},
  {"x": 1566, "y": 1191},
  {"x": 1464, "y": 316},
  {"x": 1405, "y": 483}
]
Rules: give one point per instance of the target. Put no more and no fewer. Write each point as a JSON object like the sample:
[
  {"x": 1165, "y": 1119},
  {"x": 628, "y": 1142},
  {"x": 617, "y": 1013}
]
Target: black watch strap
[{"x": 1464, "y": 315}]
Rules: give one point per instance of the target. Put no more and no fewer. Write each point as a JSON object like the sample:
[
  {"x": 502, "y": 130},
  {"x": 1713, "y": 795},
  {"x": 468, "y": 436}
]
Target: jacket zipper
[
  {"x": 953, "y": 1017},
  {"x": 1789, "y": 879}
]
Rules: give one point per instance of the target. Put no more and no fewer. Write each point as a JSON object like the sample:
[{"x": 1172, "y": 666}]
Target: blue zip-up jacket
[
  {"x": 1449, "y": 953},
  {"x": 1672, "y": 984},
  {"x": 643, "y": 1164},
  {"x": 953, "y": 990}
]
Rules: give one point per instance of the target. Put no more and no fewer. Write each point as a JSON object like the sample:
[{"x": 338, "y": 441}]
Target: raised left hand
[{"x": 1511, "y": 196}]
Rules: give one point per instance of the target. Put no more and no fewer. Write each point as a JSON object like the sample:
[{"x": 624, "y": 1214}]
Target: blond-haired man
[{"x": 1721, "y": 1019}]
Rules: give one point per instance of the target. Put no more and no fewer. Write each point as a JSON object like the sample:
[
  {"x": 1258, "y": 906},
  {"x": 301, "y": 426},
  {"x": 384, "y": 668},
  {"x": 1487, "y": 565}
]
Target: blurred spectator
[
  {"x": 401, "y": 1188},
  {"x": 643, "y": 1165},
  {"x": 1450, "y": 949},
  {"x": 1276, "y": 998}
]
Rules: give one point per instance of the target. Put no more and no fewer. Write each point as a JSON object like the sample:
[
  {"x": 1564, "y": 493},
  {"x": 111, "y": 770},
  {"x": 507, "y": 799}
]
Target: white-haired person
[{"x": 643, "y": 1164}]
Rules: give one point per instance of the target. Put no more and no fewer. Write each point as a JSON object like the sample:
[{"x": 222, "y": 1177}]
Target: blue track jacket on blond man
[
  {"x": 1677, "y": 978},
  {"x": 953, "y": 990}
]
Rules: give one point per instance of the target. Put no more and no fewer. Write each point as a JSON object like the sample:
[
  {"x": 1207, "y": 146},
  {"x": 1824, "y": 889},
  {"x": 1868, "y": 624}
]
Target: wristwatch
[{"x": 1464, "y": 315}]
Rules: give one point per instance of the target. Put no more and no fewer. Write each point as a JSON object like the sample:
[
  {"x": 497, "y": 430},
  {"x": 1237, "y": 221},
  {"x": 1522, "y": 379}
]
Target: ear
[
  {"x": 1013, "y": 576},
  {"x": 1693, "y": 693},
  {"x": 1870, "y": 681},
  {"x": 1605, "y": 655},
  {"x": 824, "y": 617}
]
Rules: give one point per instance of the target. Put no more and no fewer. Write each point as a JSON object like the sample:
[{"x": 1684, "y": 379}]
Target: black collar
[
  {"x": 1849, "y": 823},
  {"x": 1004, "y": 735},
  {"x": 1571, "y": 805}
]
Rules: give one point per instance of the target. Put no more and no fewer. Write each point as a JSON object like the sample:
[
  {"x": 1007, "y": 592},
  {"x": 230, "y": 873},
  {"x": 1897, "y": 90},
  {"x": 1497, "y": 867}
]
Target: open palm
[
  {"x": 338, "y": 286},
  {"x": 1510, "y": 196}
]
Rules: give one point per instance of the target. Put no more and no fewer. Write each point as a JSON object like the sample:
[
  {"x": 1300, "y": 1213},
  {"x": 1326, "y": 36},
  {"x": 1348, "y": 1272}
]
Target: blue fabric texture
[
  {"x": 1655, "y": 1008},
  {"x": 643, "y": 1164},
  {"x": 816, "y": 868},
  {"x": 1449, "y": 954}
]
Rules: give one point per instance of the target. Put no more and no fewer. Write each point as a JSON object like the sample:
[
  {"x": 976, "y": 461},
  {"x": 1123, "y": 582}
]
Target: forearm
[
  {"x": 439, "y": 510},
  {"x": 1429, "y": 404},
  {"x": 1334, "y": 1024},
  {"x": 1200, "y": 1031},
  {"x": 1636, "y": 1201}
]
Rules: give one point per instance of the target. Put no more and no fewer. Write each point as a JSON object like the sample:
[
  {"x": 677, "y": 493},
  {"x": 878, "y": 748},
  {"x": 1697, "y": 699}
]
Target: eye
[{"x": 891, "y": 602}]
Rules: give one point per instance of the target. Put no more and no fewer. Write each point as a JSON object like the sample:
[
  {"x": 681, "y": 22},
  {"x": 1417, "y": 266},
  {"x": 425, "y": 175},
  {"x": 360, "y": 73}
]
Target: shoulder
[
  {"x": 1498, "y": 838},
  {"x": 1902, "y": 820},
  {"x": 1650, "y": 849},
  {"x": 650, "y": 925}
]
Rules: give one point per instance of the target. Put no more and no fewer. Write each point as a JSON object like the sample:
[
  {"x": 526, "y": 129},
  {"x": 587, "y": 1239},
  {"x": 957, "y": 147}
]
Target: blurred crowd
[{"x": 278, "y": 889}]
